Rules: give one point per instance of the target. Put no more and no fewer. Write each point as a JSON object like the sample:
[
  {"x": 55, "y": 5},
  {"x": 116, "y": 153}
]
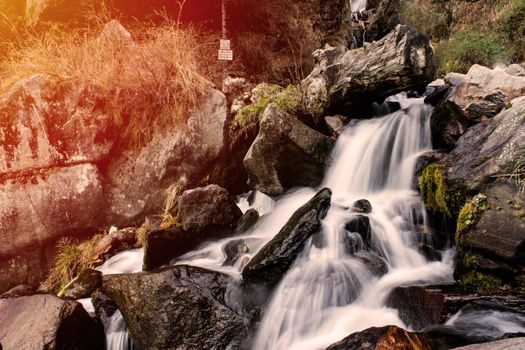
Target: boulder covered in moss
[
  {"x": 286, "y": 154},
  {"x": 490, "y": 238}
]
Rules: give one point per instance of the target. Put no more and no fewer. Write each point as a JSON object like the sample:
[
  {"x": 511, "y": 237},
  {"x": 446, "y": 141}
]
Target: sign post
[{"x": 225, "y": 52}]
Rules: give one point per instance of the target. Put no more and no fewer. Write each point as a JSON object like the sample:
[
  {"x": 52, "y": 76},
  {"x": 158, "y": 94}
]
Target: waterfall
[
  {"x": 117, "y": 337},
  {"x": 330, "y": 293},
  {"x": 357, "y": 5}
]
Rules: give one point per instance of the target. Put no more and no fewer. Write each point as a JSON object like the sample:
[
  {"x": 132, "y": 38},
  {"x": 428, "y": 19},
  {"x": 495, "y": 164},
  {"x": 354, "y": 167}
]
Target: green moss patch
[
  {"x": 476, "y": 281},
  {"x": 288, "y": 99},
  {"x": 434, "y": 189},
  {"x": 469, "y": 216}
]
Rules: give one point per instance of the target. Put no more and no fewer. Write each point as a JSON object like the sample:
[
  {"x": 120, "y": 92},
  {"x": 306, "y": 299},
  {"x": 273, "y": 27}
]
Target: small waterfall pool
[{"x": 330, "y": 292}]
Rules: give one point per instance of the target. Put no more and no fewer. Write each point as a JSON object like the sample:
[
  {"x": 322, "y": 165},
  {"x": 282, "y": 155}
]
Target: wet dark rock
[
  {"x": 163, "y": 245},
  {"x": 103, "y": 304},
  {"x": 22, "y": 290},
  {"x": 275, "y": 258},
  {"x": 286, "y": 154},
  {"x": 417, "y": 306},
  {"x": 47, "y": 322},
  {"x": 208, "y": 209},
  {"x": 360, "y": 224},
  {"x": 486, "y": 245},
  {"x": 247, "y": 221},
  {"x": 447, "y": 124},
  {"x": 388, "y": 337},
  {"x": 374, "y": 262},
  {"x": 233, "y": 251},
  {"x": 179, "y": 307},
  {"x": 115, "y": 242},
  {"x": 362, "y": 206},
  {"x": 429, "y": 252},
  {"x": 204, "y": 213},
  {"x": 438, "y": 94},
  {"x": 350, "y": 81},
  {"x": 83, "y": 285}
]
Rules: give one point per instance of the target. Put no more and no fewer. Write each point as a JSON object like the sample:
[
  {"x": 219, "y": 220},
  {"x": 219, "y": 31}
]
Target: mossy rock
[
  {"x": 287, "y": 99},
  {"x": 434, "y": 189}
]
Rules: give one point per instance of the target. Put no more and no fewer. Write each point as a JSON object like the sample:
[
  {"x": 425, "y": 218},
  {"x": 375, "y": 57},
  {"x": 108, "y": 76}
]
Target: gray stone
[
  {"x": 181, "y": 152},
  {"x": 485, "y": 92},
  {"x": 286, "y": 154},
  {"x": 488, "y": 149},
  {"x": 270, "y": 264},
  {"x": 352, "y": 80},
  {"x": 180, "y": 307},
  {"x": 47, "y": 322},
  {"x": 504, "y": 344}
]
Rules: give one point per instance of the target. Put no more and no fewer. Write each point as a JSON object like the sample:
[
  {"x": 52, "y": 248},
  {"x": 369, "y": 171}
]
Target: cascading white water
[
  {"x": 330, "y": 293},
  {"x": 357, "y": 5},
  {"x": 129, "y": 261}
]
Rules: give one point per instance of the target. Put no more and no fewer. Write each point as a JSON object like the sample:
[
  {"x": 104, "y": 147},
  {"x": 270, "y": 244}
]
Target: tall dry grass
[{"x": 149, "y": 82}]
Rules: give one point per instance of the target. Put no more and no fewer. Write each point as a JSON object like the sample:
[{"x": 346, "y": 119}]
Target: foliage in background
[
  {"x": 467, "y": 48},
  {"x": 432, "y": 18},
  {"x": 513, "y": 28}
]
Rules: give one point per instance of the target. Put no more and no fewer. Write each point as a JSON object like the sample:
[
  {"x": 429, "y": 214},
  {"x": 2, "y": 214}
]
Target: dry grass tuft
[
  {"x": 150, "y": 81},
  {"x": 72, "y": 258}
]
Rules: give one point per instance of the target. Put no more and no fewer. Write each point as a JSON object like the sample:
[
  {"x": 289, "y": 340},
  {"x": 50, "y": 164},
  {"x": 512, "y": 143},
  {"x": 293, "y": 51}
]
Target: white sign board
[
  {"x": 225, "y": 55},
  {"x": 224, "y": 44}
]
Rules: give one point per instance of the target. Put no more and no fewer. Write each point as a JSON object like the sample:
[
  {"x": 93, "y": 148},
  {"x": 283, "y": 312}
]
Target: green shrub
[
  {"x": 467, "y": 48},
  {"x": 429, "y": 17},
  {"x": 513, "y": 28}
]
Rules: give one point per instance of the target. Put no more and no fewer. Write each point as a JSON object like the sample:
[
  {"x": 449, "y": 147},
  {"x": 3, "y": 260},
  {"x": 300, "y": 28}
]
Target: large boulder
[
  {"x": 275, "y": 258},
  {"x": 179, "y": 307},
  {"x": 485, "y": 92},
  {"x": 388, "y": 337},
  {"x": 172, "y": 154},
  {"x": 286, "y": 154},
  {"x": 344, "y": 81},
  {"x": 203, "y": 213},
  {"x": 491, "y": 238},
  {"x": 47, "y": 122},
  {"x": 208, "y": 209},
  {"x": 47, "y": 322},
  {"x": 488, "y": 149},
  {"x": 41, "y": 209}
]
